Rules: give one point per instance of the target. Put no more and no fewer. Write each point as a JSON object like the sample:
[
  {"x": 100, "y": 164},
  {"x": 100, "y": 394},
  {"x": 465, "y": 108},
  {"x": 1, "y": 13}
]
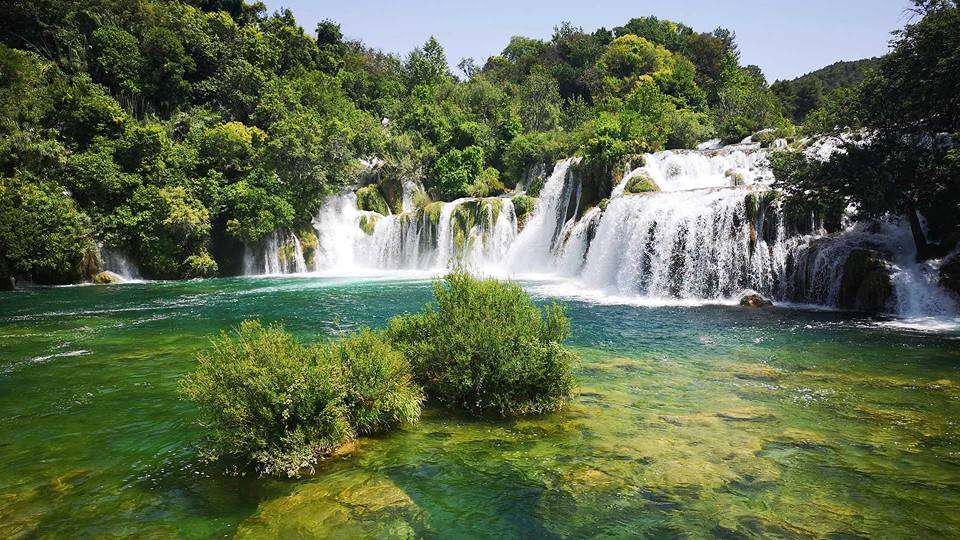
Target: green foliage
[
  {"x": 523, "y": 206},
  {"x": 539, "y": 101},
  {"x": 42, "y": 233},
  {"x": 370, "y": 199},
  {"x": 454, "y": 171},
  {"x": 165, "y": 227},
  {"x": 487, "y": 349},
  {"x": 906, "y": 167},
  {"x": 427, "y": 65},
  {"x": 116, "y": 60},
  {"x": 257, "y": 122},
  {"x": 532, "y": 149},
  {"x": 268, "y": 401},
  {"x": 810, "y": 92},
  {"x": 379, "y": 393},
  {"x": 745, "y": 103},
  {"x": 274, "y": 405},
  {"x": 487, "y": 184}
]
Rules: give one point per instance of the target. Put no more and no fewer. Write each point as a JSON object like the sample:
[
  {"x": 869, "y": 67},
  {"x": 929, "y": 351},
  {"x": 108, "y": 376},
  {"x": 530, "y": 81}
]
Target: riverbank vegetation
[
  {"x": 274, "y": 405},
  {"x": 177, "y": 131},
  {"x": 906, "y": 159}
]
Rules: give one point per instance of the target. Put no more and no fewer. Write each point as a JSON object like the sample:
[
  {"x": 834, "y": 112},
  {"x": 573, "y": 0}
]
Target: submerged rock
[
  {"x": 754, "y": 300},
  {"x": 866, "y": 283},
  {"x": 746, "y": 414},
  {"x": 106, "y": 278}
]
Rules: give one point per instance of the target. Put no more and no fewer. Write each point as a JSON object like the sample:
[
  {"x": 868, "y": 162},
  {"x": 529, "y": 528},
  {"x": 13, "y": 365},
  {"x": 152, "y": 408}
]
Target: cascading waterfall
[
  {"x": 713, "y": 230},
  {"x": 119, "y": 264}
]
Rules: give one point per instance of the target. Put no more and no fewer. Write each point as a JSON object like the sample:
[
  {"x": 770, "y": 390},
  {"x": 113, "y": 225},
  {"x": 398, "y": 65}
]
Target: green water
[{"x": 689, "y": 422}]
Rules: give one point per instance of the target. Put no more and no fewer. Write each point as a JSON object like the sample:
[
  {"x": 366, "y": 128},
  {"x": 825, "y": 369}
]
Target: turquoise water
[{"x": 688, "y": 421}]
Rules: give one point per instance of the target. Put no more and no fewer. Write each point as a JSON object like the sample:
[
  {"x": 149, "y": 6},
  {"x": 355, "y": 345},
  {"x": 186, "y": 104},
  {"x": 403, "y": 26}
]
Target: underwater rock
[
  {"x": 106, "y": 278},
  {"x": 755, "y": 372},
  {"x": 754, "y": 300},
  {"x": 866, "y": 283},
  {"x": 950, "y": 274},
  {"x": 746, "y": 414}
]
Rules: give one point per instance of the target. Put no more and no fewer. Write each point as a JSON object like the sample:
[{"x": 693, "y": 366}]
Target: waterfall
[
  {"x": 713, "y": 230},
  {"x": 119, "y": 264},
  {"x": 279, "y": 253},
  {"x": 534, "y": 248}
]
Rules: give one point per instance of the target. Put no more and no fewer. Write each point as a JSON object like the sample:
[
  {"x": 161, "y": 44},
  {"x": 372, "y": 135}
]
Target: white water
[
  {"x": 119, "y": 264},
  {"x": 690, "y": 243}
]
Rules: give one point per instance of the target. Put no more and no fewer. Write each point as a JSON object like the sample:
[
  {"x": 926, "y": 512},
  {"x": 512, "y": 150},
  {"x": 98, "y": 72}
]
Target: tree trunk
[{"x": 919, "y": 239}]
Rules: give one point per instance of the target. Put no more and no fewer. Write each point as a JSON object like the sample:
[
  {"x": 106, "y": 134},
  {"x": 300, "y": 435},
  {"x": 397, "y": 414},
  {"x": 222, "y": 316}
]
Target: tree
[
  {"x": 539, "y": 101},
  {"x": 43, "y": 235},
  {"x": 427, "y": 65}
]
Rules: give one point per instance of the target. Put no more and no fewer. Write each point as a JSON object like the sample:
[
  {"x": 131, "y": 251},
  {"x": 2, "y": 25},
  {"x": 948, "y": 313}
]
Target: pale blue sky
[{"x": 785, "y": 38}]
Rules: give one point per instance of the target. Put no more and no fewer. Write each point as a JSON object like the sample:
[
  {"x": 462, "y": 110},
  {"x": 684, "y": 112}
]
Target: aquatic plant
[
  {"x": 277, "y": 406},
  {"x": 487, "y": 349}
]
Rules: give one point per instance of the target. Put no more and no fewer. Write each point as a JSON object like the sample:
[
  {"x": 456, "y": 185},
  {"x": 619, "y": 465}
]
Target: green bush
[
  {"x": 277, "y": 406},
  {"x": 523, "y": 205},
  {"x": 43, "y": 235},
  {"x": 379, "y": 393},
  {"x": 487, "y": 349}
]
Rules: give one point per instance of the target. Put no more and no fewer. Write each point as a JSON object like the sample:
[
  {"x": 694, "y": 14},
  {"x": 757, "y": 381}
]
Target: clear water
[{"x": 689, "y": 421}]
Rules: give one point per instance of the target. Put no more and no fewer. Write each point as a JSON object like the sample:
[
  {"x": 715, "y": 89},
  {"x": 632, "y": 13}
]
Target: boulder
[
  {"x": 950, "y": 274},
  {"x": 392, "y": 191},
  {"x": 107, "y": 278},
  {"x": 641, "y": 183},
  {"x": 866, "y": 283},
  {"x": 754, "y": 300}
]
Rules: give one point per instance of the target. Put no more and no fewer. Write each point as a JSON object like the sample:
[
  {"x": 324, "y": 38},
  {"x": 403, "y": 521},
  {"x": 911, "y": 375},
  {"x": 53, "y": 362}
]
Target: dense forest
[
  {"x": 808, "y": 92},
  {"x": 177, "y": 131}
]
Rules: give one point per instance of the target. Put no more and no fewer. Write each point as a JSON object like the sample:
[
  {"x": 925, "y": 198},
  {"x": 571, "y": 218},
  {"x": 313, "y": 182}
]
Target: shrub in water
[
  {"x": 379, "y": 393},
  {"x": 486, "y": 348},
  {"x": 279, "y": 406}
]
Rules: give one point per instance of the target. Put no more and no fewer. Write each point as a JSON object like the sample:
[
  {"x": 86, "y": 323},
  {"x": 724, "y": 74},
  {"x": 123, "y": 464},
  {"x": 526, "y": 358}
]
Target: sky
[{"x": 785, "y": 38}]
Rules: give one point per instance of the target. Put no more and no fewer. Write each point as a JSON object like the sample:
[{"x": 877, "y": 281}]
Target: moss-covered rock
[
  {"x": 950, "y": 274},
  {"x": 641, "y": 183},
  {"x": 392, "y": 191},
  {"x": 370, "y": 199},
  {"x": 368, "y": 223},
  {"x": 107, "y": 278},
  {"x": 523, "y": 206},
  {"x": 432, "y": 212},
  {"x": 309, "y": 244},
  {"x": 866, "y": 284},
  {"x": 736, "y": 178}
]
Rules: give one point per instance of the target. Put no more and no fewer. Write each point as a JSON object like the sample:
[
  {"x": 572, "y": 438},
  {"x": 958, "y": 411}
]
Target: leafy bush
[
  {"x": 523, "y": 205},
  {"x": 487, "y": 184},
  {"x": 487, "y": 349},
  {"x": 379, "y": 393},
  {"x": 42, "y": 233},
  {"x": 454, "y": 171},
  {"x": 278, "y": 406}
]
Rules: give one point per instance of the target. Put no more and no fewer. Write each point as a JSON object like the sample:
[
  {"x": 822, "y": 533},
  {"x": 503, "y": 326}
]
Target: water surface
[{"x": 689, "y": 421}]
